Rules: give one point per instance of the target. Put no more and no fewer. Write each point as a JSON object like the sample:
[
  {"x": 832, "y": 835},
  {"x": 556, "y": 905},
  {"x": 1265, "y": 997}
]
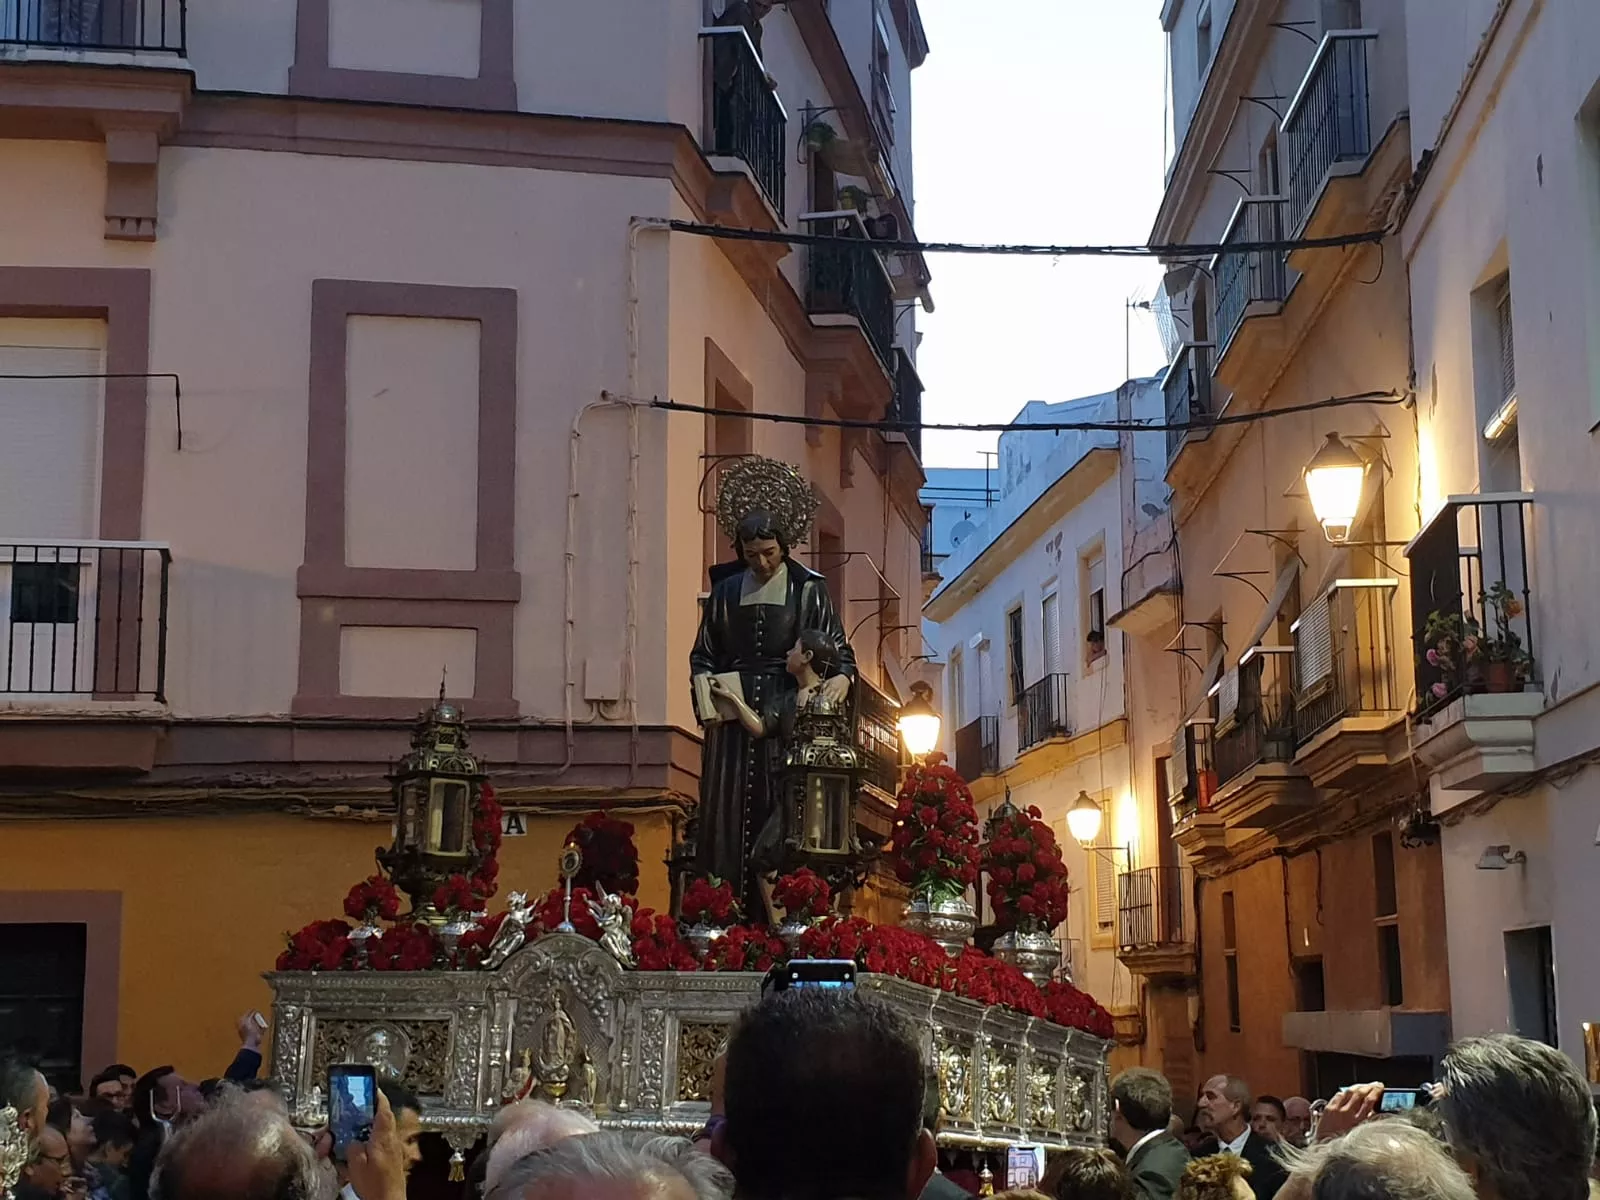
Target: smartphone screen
[
  {"x": 352, "y": 1105},
  {"x": 811, "y": 973},
  {"x": 1398, "y": 1100}
]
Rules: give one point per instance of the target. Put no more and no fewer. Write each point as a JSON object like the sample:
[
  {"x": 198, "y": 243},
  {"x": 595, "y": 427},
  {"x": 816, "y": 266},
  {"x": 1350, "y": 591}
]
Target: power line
[
  {"x": 893, "y": 246},
  {"x": 1393, "y": 397}
]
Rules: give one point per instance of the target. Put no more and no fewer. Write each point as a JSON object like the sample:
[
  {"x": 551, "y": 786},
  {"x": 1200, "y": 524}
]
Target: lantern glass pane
[
  {"x": 408, "y": 821},
  {"x": 826, "y": 812},
  {"x": 450, "y": 816}
]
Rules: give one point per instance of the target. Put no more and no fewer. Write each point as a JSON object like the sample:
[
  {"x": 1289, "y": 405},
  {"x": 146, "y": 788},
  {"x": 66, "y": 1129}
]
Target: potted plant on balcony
[
  {"x": 1452, "y": 647},
  {"x": 843, "y": 155},
  {"x": 1506, "y": 660},
  {"x": 851, "y": 196}
]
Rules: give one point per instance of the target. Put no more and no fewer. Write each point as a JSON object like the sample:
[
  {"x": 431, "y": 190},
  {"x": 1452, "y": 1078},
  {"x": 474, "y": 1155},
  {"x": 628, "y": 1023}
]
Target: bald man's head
[{"x": 240, "y": 1150}]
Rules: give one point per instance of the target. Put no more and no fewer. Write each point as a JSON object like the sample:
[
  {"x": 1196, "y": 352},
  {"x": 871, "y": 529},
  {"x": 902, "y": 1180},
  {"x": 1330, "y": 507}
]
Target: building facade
[
  {"x": 336, "y": 317},
  {"x": 1499, "y": 241},
  {"x": 1317, "y": 879},
  {"x": 1034, "y": 691}
]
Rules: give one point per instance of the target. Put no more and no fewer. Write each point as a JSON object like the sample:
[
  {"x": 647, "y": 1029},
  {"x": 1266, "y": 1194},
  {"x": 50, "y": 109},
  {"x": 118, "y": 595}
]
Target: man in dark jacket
[
  {"x": 940, "y": 1186},
  {"x": 1225, "y": 1105},
  {"x": 1141, "y": 1109}
]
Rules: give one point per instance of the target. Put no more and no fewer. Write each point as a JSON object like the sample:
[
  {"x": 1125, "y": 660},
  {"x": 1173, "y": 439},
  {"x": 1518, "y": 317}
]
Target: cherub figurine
[
  {"x": 512, "y": 931},
  {"x": 616, "y": 924}
]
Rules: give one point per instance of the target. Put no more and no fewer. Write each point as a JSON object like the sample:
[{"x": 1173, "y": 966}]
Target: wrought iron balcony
[
  {"x": 148, "y": 26},
  {"x": 748, "y": 120},
  {"x": 978, "y": 748},
  {"x": 84, "y": 620},
  {"x": 849, "y": 279},
  {"x": 1251, "y": 278},
  {"x": 1042, "y": 712},
  {"x": 906, "y": 407},
  {"x": 1255, "y": 714},
  {"x": 1344, "y": 656},
  {"x": 1187, "y": 387},
  {"x": 878, "y": 736},
  {"x": 1329, "y": 121},
  {"x": 1471, "y": 610},
  {"x": 1155, "y": 928}
]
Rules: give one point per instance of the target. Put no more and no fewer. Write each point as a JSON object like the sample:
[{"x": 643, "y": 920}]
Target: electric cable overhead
[
  {"x": 1201, "y": 250},
  {"x": 887, "y": 426}
]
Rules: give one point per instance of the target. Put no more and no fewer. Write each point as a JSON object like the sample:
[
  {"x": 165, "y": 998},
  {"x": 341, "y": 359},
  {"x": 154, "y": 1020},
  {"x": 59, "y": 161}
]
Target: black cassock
[{"x": 738, "y": 773}]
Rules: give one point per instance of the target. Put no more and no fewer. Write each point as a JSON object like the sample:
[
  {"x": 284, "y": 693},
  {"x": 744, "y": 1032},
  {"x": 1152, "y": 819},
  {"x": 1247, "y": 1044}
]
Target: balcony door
[{"x": 50, "y": 433}]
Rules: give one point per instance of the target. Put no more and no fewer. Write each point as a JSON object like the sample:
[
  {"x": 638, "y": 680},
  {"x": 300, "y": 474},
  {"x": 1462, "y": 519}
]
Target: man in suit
[
  {"x": 1141, "y": 1109},
  {"x": 1225, "y": 1107}
]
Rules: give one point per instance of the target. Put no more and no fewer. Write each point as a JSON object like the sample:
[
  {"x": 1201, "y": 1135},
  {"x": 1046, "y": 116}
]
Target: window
[
  {"x": 41, "y": 996},
  {"x": 1341, "y": 14},
  {"x": 1268, "y": 179},
  {"x": 44, "y": 593},
  {"x": 1508, "y": 349},
  {"x": 1311, "y": 994},
  {"x": 1387, "y": 909},
  {"x": 1014, "y": 654},
  {"x": 1495, "y": 386},
  {"x": 1102, "y": 860},
  {"x": 883, "y": 107},
  {"x": 1202, "y": 42},
  {"x": 958, "y": 689},
  {"x": 1093, "y": 572},
  {"x": 1050, "y": 623},
  {"x": 1230, "y": 960},
  {"x": 1531, "y": 979}
]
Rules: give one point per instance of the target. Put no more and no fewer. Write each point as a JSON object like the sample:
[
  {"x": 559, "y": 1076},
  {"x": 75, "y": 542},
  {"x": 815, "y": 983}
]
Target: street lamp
[
  {"x": 1335, "y": 478},
  {"x": 919, "y": 721},
  {"x": 1083, "y": 819}
]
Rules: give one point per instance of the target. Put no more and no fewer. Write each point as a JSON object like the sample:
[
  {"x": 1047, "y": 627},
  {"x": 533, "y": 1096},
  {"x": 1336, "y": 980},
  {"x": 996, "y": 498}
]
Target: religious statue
[
  {"x": 758, "y": 609},
  {"x": 386, "y": 1050},
  {"x": 513, "y": 930},
  {"x": 558, "y": 1050},
  {"x": 615, "y": 919},
  {"x": 520, "y": 1085}
]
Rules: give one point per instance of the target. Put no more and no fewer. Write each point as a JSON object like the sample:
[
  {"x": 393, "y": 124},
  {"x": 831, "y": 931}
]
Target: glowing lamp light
[
  {"x": 919, "y": 721},
  {"x": 1084, "y": 818},
  {"x": 1335, "y": 478}
]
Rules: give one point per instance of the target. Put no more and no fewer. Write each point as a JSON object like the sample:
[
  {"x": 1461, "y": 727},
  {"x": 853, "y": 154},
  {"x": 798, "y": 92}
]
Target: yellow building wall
[{"x": 207, "y": 901}]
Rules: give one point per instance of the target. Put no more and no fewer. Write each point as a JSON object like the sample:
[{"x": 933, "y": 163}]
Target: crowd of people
[{"x": 825, "y": 1096}]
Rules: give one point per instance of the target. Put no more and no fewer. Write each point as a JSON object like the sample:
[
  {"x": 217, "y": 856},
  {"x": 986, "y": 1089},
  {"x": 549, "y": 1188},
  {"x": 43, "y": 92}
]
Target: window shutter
[
  {"x": 958, "y": 699},
  {"x": 1228, "y": 696},
  {"x": 1178, "y": 763},
  {"x": 1051, "y": 617},
  {"x": 1508, "y": 349},
  {"x": 1313, "y": 645},
  {"x": 1105, "y": 883}
]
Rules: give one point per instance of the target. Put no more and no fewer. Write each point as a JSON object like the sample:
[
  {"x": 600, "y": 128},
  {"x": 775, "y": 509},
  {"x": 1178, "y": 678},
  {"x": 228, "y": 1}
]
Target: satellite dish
[{"x": 962, "y": 531}]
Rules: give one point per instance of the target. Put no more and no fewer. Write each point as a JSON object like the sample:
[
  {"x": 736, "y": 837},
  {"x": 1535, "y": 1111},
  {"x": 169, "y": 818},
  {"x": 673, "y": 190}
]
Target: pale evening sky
[{"x": 1034, "y": 121}]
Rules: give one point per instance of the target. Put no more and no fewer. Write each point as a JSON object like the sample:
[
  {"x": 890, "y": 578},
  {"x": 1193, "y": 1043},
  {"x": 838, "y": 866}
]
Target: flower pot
[
  {"x": 1501, "y": 676},
  {"x": 791, "y": 931},
  {"x": 949, "y": 921},
  {"x": 450, "y": 935},
  {"x": 700, "y": 938},
  {"x": 361, "y": 940},
  {"x": 1031, "y": 950}
]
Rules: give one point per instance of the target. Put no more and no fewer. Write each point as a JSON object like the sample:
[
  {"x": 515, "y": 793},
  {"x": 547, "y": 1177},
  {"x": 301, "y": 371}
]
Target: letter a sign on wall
[{"x": 513, "y": 824}]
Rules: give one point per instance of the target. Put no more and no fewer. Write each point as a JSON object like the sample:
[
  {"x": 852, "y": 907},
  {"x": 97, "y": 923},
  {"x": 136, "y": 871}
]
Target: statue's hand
[{"x": 836, "y": 689}]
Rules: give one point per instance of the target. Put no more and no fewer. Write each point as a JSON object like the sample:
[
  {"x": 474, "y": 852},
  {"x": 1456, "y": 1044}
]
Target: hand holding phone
[{"x": 352, "y": 1106}]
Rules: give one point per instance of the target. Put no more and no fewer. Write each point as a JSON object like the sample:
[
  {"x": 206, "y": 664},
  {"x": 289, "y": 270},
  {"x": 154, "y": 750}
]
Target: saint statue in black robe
[{"x": 757, "y": 609}]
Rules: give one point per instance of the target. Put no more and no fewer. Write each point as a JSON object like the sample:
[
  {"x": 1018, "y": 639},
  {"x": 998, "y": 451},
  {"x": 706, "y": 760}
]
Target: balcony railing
[
  {"x": 150, "y": 26},
  {"x": 747, "y": 118},
  {"x": 1329, "y": 120},
  {"x": 906, "y": 407},
  {"x": 1344, "y": 656},
  {"x": 1042, "y": 712},
  {"x": 1252, "y": 277},
  {"x": 878, "y": 736},
  {"x": 883, "y": 106},
  {"x": 1151, "y": 909},
  {"x": 1188, "y": 391},
  {"x": 1255, "y": 714},
  {"x": 849, "y": 278},
  {"x": 1191, "y": 770},
  {"x": 978, "y": 748},
  {"x": 84, "y": 620},
  {"x": 1469, "y": 579}
]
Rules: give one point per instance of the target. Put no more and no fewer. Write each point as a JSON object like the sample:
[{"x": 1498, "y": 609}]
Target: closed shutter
[
  {"x": 1508, "y": 349},
  {"x": 1105, "y": 883},
  {"x": 1178, "y": 763},
  {"x": 1313, "y": 646},
  {"x": 49, "y": 443},
  {"x": 1050, "y": 614},
  {"x": 1228, "y": 696},
  {"x": 958, "y": 699}
]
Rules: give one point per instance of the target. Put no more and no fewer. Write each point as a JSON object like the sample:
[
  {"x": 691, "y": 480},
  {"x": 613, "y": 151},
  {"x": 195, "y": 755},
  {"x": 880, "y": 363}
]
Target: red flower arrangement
[
  {"x": 403, "y": 948},
  {"x": 803, "y": 896},
  {"x": 609, "y": 856},
  {"x": 935, "y": 842},
  {"x": 485, "y": 880},
  {"x": 745, "y": 948},
  {"x": 455, "y": 896},
  {"x": 1027, "y": 879},
  {"x": 657, "y": 945},
  {"x": 709, "y": 902},
  {"x": 373, "y": 899},
  {"x": 474, "y": 944},
  {"x": 1066, "y": 1005},
  {"x": 320, "y": 946}
]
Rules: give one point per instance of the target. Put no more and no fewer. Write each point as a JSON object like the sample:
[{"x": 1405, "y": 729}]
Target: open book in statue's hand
[{"x": 713, "y": 705}]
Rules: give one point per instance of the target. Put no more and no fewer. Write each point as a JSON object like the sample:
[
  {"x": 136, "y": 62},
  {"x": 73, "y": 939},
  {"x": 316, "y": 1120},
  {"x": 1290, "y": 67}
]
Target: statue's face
[
  {"x": 799, "y": 658},
  {"x": 763, "y": 556}
]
